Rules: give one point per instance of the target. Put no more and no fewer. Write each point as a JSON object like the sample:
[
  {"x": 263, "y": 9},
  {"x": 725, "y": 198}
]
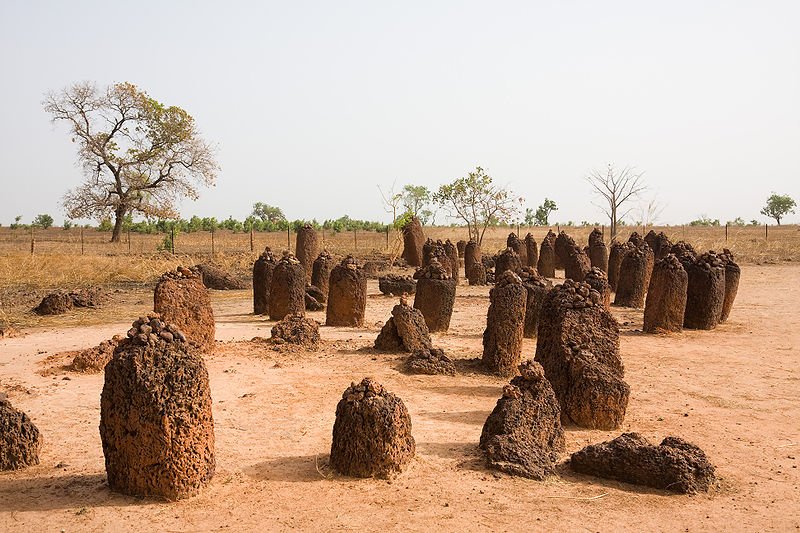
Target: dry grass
[{"x": 58, "y": 262}]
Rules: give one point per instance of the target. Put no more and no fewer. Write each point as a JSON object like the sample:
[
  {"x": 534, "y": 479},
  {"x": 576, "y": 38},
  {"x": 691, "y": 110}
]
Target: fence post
[
  {"x": 251, "y": 240},
  {"x": 213, "y": 250},
  {"x": 288, "y": 238},
  {"x": 82, "y": 240},
  {"x": 33, "y": 241},
  {"x": 766, "y": 234},
  {"x": 355, "y": 238},
  {"x": 726, "y": 232},
  {"x": 172, "y": 238},
  {"x": 129, "y": 240}
]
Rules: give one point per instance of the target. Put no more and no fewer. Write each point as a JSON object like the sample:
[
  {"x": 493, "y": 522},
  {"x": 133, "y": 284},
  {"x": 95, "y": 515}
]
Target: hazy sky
[{"x": 313, "y": 104}]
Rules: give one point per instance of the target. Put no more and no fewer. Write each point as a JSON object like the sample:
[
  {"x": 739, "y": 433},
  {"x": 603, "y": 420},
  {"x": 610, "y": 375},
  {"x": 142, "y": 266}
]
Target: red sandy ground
[{"x": 734, "y": 391}]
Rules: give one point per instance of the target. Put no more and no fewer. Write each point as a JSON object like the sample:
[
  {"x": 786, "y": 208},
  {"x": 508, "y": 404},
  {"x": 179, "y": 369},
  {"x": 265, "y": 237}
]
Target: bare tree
[
  {"x": 649, "y": 212},
  {"x": 616, "y": 189},
  {"x": 138, "y": 155},
  {"x": 391, "y": 200}
]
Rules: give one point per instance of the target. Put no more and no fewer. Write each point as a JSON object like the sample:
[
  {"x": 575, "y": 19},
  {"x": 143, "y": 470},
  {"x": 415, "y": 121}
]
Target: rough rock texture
[
  {"x": 394, "y": 285},
  {"x": 509, "y": 260},
  {"x": 537, "y": 288},
  {"x": 598, "y": 252},
  {"x": 666, "y": 297},
  {"x": 505, "y": 325},
  {"x": 685, "y": 253},
  {"x": 531, "y": 251},
  {"x": 705, "y": 292},
  {"x": 452, "y": 257},
  {"x": 156, "y": 424},
  {"x": 578, "y": 347},
  {"x": 296, "y": 329},
  {"x": 634, "y": 276},
  {"x": 636, "y": 239},
  {"x": 20, "y": 441},
  {"x": 461, "y": 246},
  {"x": 576, "y": 264},
  {"x": 674, "y": 465},
  {"x": 662, "y": 247},
  {"x": 436, "y": 250},
  {"x": 405, "y": 330},
  {"x": 518, "y": 245},
  {"x": 347, "y": 295},
  {"x": 476, "y": 274},
  {"x": 262, "y": 279},
  {"x": 616, "y": 254},
  {"x": 92, "y": 297},
  {"x": 732, "y": 275},
  {"x": 598, "y": 280},
  {"x": 523, "y": 434},
  {"x": 56, "y": 303},
  {"x": 307, "y": 248},
  {"x": 413, "y": 239},
  {"x": 435, "y": 296},
  {"x": 321, "y": 273},
  {"x": 562, "y": 245},
  {"x": 651, "y": 238},
  {"x": 472, "y": 255},
  {"x": 182, "y": 300},
  {"x": 287, "y": 292},
  {"x": 431, "y": 362},
  {"x": 547, "y": 257},
  {"x": 372, "y": 432},
  {"x": 216, "y": 278},
  {"x": 374, "y": 267},
  {"x": 95, "y": 359},
  {"x": 314, "y": 299}
]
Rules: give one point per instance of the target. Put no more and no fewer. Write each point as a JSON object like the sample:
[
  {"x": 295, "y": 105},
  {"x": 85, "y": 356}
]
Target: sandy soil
[{"x": 734, "y": 391}]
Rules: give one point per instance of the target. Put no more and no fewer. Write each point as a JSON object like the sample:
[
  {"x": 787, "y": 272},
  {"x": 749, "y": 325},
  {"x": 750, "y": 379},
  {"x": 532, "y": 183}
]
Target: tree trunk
[{"x": 119, "y": 218}]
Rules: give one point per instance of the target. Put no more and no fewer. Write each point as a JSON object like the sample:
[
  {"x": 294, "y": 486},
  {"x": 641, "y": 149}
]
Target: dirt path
[{"x": 734, "y": 391}]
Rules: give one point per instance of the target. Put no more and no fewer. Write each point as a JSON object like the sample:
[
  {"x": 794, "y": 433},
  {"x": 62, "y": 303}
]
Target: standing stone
[
  {"x": 461, "y": 246},
  {"x": 547, "y": 257},
  {"x": 615, "y": 257},
  {"x": 413, "y": 239},
  {"x": 472, "y": 255},
  {"x": 372, "y": 432},
  {"x": 705, "y": 292},
  {"x": 505, "y": 323},
  {"x": 156, "y": 424},
  {"x": 436, "y": 294},
  {"x": 576, "y": 264},
  {"x": 516, "y": 244},
  {"x": 537, "y": 288},
  {"x": 404, "y": 331},
  {"x": 633, "y": 278},
  {"x": 508, "y": 259},
  {"x": 523, "y": 434},
  {"x": 476, "y": 275},
  {"x": 663, "y": 246},
  {"x": 532, "y": 251},
  {"x": 307, "y": 247},
  {"x": 563, "y": 244},
  {"x": 262, "y": 278},
  {"x": 347, "y": 295},
  {"x": 321, "y": 273},
  {"x": 20, "y": 441},
  {"x": 598, "y": 280},
  {"x": 452, "y": 256},
  {"x": 287, "y": 292},
  {"x": 732, "y": 275},
  {"x": 598, "y": 253},
  {"x": 666, "y": 297},
  {"x": 182, "y": 300}
]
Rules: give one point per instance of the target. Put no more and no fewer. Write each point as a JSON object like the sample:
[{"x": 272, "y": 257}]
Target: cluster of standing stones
[{"x": 156, "y": 423}]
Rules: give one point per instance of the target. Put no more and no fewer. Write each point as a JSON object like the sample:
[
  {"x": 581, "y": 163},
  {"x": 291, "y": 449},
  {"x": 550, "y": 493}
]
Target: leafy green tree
[
  {"x": 416, "y": 200},
  {"x": 778, "y": 206},
  {"x": 268, "y": 213},
  {"x": 138, "y": 155},
  {"x": 476, "y": 200},
  {"x": 738, "y": 221},
  {"x": 16, "y": 223},
  {"x": 43, "y": 221},
  {"x": 542, "y": 215},
  {"x": 704, "y": 220}
]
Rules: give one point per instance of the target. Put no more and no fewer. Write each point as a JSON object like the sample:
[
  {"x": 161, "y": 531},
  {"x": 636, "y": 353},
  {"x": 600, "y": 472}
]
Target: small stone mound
[
  {"x": 347, "y": 295},
  {"x": 508, "y": 259},
  {"x": 182, "y": 300},
  {"x": 431, "y": 362},
  {"x": 287, "y": 292},
  {"x": 404, "y": 331},
  {"x": 537, "y": 288},
  {"x": 547, "y": 256},
  {"x": 523, "y": 434},
  {"x": 93, "y": 297},
  {"x": 321, "y": 273},
  {"x": 315, "y": 300},
  {"x": 372, "y": 433},
  {"x": 94, "y": 360},
  {"x": 505, "y": 325},
  {"x": 218, "y": 279},
  {"x": 395, "y": 285},
  {"x": 156, "y": 424},
  {"x": 56, "y": 303},
  {"x": 435, "y": 296},
  {"x": 705, "y": 292},
  {"x": 666, "y": 298},
  {"x": 597, "y": 279},
  {"x": 20, "y": 441},
  {"x": 262, "y": 279},
  {"x": 296, "y": 329},
  {"x": 674, "y": 465},
  {"x": 374, "y": 268}
]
